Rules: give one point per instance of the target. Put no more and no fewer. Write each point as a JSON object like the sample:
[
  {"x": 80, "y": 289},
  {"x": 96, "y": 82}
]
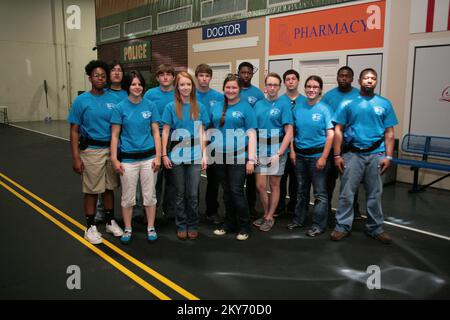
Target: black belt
[
  {"x": 374, "y": 146},
  {"x": 84, "y": 142},
  {"x": 308, "y": 151},
  {"x": 138, "y": 155}
]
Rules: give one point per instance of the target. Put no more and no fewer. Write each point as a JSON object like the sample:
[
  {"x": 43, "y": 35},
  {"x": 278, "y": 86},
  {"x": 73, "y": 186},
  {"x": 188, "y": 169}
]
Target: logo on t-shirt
[
  {"x": 212, "y": 103},
  {"x": 252, "y": 100},
  {"x": 237, "y": 114},
  {"x": 110, "y": 106},
  {"x": 274, "y": 112},
  {"x": 378, "y": 110},
  {"x": 146, "y": 114},
  {"x": 316, "y": 117}
]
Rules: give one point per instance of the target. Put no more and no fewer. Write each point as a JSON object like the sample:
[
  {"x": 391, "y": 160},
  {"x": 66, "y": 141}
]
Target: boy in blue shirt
[
  {"x": 250, "y": 94},
  {"x": 291, "y": 79},
  {"x": 162, "y": 96},
  {"x": 371, "y": 120},
  {"x": 209, "y": 97},
  {"x": 336, "y": 99}
]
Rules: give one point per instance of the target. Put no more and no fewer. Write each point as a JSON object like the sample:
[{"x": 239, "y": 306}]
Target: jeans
[
  {"x": 212, "y": 190},
  {"x": 359, "y": 168},
  {"x": 237, "y": 216},
  {"x": 333, "y": 174},
  {"x": 186, "y": 178},
  {"x": 289, "y": 172},
  {"x": 164, "y": 181},
  {"x": 307, "y": 174},
  {"x": 250, "y": 192}
]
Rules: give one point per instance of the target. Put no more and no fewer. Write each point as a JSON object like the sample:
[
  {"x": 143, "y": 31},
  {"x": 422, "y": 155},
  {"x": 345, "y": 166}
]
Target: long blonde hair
[{"x": 194, "y": 110}]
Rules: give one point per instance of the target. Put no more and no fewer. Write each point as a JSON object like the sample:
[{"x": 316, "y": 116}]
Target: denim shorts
[{"x": 275, "y": 169}]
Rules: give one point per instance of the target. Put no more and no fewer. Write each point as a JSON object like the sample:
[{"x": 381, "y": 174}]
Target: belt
[
  {"x": 374, "y": 146},
  {"x": 84, "y": 142},
  {"x": 138, "y": 155},
  {"x": 308, "y": 151}
]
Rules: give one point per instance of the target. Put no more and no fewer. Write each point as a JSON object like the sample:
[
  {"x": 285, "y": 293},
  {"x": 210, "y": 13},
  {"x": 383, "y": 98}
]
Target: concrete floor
[{"x": 281, "y": 264}]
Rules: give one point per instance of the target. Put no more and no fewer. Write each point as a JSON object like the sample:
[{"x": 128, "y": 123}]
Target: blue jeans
[
  {"x": 359, "y": 168},
  {"x": 307, "y": 174},
  {"x": 164, "y": 181},
  {"x": 186, "y": 178},
  {"x": 237, "y": 215}
]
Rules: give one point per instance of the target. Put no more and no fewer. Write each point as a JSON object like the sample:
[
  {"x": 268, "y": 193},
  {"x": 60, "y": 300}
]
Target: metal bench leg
[
  {"x": 415, "y": 187},
  {"x": 422, "y": 188}
]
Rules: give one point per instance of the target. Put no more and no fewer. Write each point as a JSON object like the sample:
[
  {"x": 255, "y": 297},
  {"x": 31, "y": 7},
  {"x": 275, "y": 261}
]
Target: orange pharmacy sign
[{"x": 351, "y": 27}]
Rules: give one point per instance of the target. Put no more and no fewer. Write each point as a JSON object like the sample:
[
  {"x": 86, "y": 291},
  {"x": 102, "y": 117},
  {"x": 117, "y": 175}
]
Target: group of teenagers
[{"x": 165, "y": 137}]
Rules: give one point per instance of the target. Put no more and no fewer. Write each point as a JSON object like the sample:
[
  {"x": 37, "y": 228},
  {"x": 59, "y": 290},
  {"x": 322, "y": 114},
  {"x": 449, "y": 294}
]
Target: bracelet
[
  {"x": 164, "y": 155},
  {"x": 388, "y": 157},
  {"x": 252, "y": 161},
  {"x": 337, "y": 156}
]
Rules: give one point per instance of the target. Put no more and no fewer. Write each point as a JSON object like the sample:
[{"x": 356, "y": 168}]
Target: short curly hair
[{"x": 93, "y": 64}]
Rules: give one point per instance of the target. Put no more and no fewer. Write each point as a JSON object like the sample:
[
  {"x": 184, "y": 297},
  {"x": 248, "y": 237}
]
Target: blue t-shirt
[
  {"x": 161, "y": 99},
  {"x": 337, "y": 99},
  {"x": 185, "y": 130},
  {"x": 120, "y": 94},
  {"x": 232, "y": 138},
  {"x": 271, "y": 117},
  {"x": 209, "y": 98},
  {"x": 92, "y": 114},
  {"x": 251, "y": 94},
  {"x": 311, "y": 124},
  {"x": 136, "y": 130},
  {"x": 366, "y": 120}
]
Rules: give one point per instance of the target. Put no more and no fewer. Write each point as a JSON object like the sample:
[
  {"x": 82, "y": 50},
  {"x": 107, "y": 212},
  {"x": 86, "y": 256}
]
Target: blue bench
[{"x": 426, "y": 146}]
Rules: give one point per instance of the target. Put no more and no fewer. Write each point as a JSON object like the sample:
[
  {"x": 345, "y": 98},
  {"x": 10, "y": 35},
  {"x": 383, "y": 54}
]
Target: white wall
[{"x": 33, "y": 47}]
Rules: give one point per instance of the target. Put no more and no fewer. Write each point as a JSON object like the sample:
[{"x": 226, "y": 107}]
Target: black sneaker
[
  {"x": 294, "y": 225},
  {"x": 313, "y": 232}
]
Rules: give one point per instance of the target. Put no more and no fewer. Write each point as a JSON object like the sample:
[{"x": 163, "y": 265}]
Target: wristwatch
[{"x": 388, "y": 157}]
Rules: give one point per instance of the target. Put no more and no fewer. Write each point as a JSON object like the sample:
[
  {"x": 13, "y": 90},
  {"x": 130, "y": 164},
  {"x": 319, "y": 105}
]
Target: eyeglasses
[
  {"x": 312, "y": 87},
  {"x": 102, "y": 75},
  {"x": 273, "y": 85}
]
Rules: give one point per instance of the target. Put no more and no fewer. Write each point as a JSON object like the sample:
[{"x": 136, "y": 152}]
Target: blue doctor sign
[{"x": 225, "y": 30}]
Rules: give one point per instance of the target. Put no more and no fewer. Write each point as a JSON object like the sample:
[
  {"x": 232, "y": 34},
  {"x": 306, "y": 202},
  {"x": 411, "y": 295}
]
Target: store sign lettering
[{"x": 225, "y": 30}]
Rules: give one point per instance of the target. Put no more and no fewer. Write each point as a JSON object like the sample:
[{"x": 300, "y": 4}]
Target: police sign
[
  {"x": 136, "y": 51},
  {"x": 225, "y": 30}
]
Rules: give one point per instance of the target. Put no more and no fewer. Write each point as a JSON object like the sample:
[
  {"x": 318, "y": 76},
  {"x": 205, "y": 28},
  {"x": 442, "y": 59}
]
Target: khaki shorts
[{"x": 98, "y": 174}]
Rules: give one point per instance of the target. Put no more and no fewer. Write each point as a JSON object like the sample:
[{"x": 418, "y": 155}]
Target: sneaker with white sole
[
  {"x": 93, "y": 236},
  {"x": 114, "y": 229},
  {"x": 242, "y": 236},
  {"x": 152, "y": 236},
  {"x": 267, "y": 225},
  {"x": 220, "y": 232},
  {"x": 126, "y": 237}
]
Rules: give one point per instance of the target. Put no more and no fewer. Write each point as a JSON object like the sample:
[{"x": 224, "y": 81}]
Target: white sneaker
[
  {"x": 114, "y": 229},
  {"x": 220, "y": 232},
  {"x": 93, "y": 236}
]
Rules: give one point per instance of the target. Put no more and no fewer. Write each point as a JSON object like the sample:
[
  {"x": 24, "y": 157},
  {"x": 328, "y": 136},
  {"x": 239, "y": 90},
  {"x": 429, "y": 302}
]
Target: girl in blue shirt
[
  {"x": 186, "y": 158},
  {"x": 310, "y": 148},
  {"x": 274, "y": 118},
  {"x": 234, "y": 123},
  {"x": 135, "y": 123}
]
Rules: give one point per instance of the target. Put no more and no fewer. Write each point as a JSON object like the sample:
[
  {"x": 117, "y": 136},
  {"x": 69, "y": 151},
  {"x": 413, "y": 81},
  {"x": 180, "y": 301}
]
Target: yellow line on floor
[
  {"x": 106, "y": 257},
  {"x": 133, "y": 260}
]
